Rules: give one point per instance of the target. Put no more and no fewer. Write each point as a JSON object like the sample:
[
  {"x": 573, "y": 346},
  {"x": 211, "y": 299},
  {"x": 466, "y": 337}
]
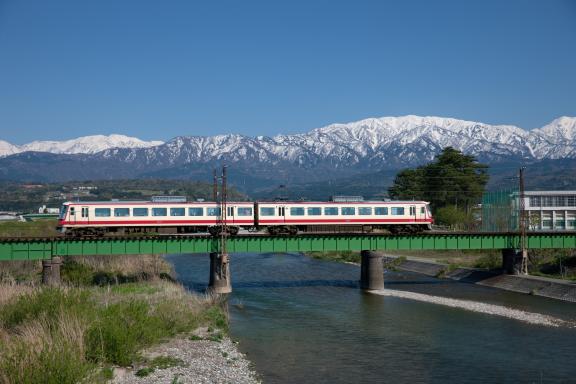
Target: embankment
[
  {"x": 114, "y": 318},
  {"x": 533, "y": 285}
]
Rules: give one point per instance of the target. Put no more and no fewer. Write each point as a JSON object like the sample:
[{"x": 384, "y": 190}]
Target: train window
[
  {"x": 314, "y": 211},
  {"x": 348, "y": 211},
  {"x": 72, "y": 212},
  {"x": 331, "y": 211},
  {"x": 121, "y": 212},
  {"x": 365, "y": 211},
  {"x": 422, "y": 210},
  {"x": 140, "y": 212},
  {"x": 266, "y": 211},
  {"x": 213, "y": 211},
  {"x": 102, "y": 212},
  {"x": 397, "y": 211},
  {"x": 177, "y": 211},
  {"x": 381, "y": 211},
  {"x": 296, "y": 211},
  {"x": 244, "y": 211},
  {"x": 412, "y": 211},
  {"x": 159, "y": 211},
  {"x": 196, "y": 211}
]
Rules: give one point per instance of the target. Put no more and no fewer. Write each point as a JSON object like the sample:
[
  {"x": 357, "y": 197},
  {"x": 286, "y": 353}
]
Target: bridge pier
[
  {"x": 371, "y": 271},
  {"x": 512, "y": 261},
  {"x": 219, "y": 273},
  {"x": 51, "y": 271}
]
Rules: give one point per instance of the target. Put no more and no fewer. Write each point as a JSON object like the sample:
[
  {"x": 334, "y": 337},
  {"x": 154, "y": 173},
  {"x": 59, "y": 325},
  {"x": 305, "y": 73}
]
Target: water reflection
[{"x": 304, "y": 320}]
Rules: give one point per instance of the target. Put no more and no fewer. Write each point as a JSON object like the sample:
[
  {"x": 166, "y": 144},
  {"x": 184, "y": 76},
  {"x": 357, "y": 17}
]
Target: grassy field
[
  {"x": 39, "y": 228},
  {"x": 108, "y": 310}
]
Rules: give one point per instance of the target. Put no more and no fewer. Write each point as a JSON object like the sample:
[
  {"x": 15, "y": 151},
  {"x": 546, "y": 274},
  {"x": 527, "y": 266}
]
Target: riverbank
[
  {"x": 532, "y": 285},
  {"x": 120, "y": 319},
  {"x": 480, "y": 268}
]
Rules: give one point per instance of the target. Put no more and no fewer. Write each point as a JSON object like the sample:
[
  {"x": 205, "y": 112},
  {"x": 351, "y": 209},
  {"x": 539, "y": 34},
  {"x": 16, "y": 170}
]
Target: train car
[
  {"x": 99, "y": 218},
  {"x": 364, "y": 216}
]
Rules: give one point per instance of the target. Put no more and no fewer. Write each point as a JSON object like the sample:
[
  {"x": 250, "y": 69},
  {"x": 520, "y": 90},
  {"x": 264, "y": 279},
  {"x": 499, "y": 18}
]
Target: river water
[{"x": 301, "y": 320}]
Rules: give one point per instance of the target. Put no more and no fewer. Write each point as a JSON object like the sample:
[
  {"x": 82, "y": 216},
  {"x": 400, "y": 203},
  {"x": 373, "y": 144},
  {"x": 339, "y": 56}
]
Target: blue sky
[{"x": 158, "y": 69}]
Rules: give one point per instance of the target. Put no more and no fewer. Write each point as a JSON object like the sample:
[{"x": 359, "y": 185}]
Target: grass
[
  {"x": 77, "y": 332},
  {"x": 58, "y": 335},
  {"x": 340, "y": 256},
  {"x": 38, "y": 228}
]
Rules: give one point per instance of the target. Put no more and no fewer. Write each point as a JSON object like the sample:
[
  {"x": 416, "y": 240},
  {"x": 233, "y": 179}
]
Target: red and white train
[{"x": 99, "y": 218}]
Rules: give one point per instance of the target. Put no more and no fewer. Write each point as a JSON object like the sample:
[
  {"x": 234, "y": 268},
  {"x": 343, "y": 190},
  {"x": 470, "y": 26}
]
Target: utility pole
[
  {"x": 219, "y": 261},
  {"x": 223, "y": 208},
  {"x": 215, "y": 186},
  {"x": 523, "y": 238}
]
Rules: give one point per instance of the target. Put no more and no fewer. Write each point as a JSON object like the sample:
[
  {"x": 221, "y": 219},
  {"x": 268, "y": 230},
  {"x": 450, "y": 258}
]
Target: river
[{"x": 301, "y": 320}]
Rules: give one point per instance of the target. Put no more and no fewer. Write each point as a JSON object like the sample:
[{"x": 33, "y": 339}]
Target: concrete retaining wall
[{"x": 533, "y": 285}]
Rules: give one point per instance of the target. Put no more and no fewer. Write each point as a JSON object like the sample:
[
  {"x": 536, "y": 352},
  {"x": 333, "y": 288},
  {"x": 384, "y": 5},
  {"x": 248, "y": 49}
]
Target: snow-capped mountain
[
  {"x": 86, "y": 144},
  {"x": 387, "y": 141},
  {"x": 327, "y": 153}
]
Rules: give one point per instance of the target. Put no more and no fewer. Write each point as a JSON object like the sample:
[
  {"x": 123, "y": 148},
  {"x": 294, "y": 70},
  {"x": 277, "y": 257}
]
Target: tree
[
  {"x": 451, "y": 179},
  {"x": 408, "y": 185}
]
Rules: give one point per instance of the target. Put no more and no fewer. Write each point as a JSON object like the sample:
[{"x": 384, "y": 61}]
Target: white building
[{"x": 551, "y": 210}]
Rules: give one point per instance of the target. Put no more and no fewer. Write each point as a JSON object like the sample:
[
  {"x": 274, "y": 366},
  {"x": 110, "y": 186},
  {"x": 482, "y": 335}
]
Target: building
[{"x": 551, "y": 210}]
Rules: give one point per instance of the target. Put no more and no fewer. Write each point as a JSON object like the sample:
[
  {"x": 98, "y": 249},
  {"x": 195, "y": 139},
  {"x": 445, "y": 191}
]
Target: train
[{"x": 275, "y": 217}]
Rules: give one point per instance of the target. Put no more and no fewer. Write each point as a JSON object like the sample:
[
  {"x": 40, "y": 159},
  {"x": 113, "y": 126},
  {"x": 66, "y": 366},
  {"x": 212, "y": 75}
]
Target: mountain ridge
[{"x": 336, "y": 151}]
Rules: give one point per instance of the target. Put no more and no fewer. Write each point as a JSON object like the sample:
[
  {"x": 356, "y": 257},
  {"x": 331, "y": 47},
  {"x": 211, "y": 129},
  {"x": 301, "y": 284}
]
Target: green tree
[
  {"x": 456, "y": 179},
  {"x": 453, "y": 178},
  {"x": 408, "y": 185}
]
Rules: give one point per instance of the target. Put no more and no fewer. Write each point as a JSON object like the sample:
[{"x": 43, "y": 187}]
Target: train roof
[{"x": 123, "y": 202}]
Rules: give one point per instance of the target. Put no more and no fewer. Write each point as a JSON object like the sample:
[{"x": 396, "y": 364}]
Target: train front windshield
[{"x": 63, "y": 211}]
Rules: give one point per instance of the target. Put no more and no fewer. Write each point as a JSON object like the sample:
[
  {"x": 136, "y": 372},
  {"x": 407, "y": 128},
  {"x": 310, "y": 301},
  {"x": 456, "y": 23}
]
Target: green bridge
[{"x": 46, "y": 248}]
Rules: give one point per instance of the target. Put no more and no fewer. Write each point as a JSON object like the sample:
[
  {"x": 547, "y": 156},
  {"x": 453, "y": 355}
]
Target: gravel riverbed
[
  {"x": 491, "y": 309},
  {"x": 199, "y": 361}
]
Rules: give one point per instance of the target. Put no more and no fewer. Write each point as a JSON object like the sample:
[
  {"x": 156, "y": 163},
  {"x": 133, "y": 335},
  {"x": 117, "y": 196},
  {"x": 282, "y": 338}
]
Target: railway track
[{"x": 265, "y": 235}]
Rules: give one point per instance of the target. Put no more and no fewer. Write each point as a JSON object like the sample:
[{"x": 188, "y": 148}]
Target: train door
[
  {"x": 84, "y": 215},
  {"x": 282, "y": 214},
  {"x": 73, "y": 214},
  {"x": 230, "y": 215},
  {"x": 413, "y": 213}
]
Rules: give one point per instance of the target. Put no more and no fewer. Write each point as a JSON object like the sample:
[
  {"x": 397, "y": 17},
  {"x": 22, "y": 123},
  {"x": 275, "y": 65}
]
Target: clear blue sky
[{"x": 158, "y": 69}]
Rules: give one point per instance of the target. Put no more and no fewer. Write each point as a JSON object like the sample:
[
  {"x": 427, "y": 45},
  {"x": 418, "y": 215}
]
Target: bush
[
  {"x": 489, "y": 261},
  {"x": 451, "y": 216},
  {"x": 48, "y": 302},
  {"x": 75, "y": 273},
  {"x": 120, "y": 331},
  {"x": 47, "y": 350},
  {"x": 56, "y": 335}
]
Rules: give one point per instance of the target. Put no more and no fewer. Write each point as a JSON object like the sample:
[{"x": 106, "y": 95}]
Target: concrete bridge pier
[
  {"x": 512, "y": 261},
  {"x": 219, "y": 273},
  {"x": 371, "y": 271},
  {"x": 51, "y": 271}
]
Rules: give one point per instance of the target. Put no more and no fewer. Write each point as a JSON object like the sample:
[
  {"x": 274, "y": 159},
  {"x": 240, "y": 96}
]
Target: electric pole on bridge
[
  {"x": 523, "y": 222},
  {"x": 219, "y": 261}
]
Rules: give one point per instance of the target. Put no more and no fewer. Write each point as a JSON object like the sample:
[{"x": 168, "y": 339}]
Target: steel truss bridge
[{"x": 46, "y": 248}]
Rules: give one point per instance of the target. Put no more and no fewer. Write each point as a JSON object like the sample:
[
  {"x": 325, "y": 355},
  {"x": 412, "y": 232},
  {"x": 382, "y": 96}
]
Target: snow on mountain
[
  {"x": 86, "y": 144},
  {"x": 387, "y": 142},
  {"x": 7, "y": 149}
]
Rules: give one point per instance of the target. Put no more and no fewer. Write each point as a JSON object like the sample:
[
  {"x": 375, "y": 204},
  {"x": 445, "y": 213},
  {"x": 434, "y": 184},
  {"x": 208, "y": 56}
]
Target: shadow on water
[{"x": 199, "y": 287}]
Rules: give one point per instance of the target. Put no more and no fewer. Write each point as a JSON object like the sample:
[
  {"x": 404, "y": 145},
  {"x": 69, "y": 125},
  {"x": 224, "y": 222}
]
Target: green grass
[
  {"x": 163, "y": 362},
  {"x": 61, "y": 335},
  {"x": 340, "y": 256},
  {"x": 37, "y": 228}
]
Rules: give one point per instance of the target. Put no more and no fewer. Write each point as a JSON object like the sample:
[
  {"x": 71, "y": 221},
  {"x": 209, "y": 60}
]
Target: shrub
[
  {"x": 75, "y": 273},
  {"x": 47, "y": 302},
  {"x": 120, "y": 331}
]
